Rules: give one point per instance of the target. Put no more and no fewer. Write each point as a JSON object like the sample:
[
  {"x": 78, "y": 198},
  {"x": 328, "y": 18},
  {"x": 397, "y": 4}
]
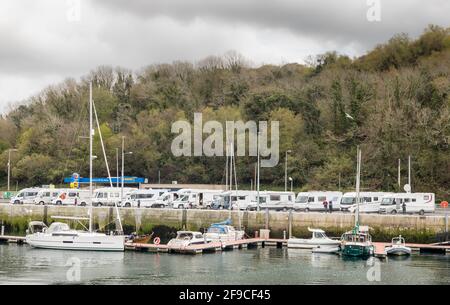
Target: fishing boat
[
  {"x": 185, "y": 239},
  {"x": 223, "y": 231},
  {"x": 357, "y": 242},
  {"x": 398, "y": 247},
  {"x": 60, "y": 236},
  {"x": 318, "y": 239}
]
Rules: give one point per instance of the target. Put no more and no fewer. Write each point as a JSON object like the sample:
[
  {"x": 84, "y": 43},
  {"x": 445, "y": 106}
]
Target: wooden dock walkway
[
  {"x": 12, "y": 239},
  {"x": 379, "y": 248}
]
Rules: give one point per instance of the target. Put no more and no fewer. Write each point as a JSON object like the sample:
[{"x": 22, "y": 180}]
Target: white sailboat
[{"x": 60, "y": 236}]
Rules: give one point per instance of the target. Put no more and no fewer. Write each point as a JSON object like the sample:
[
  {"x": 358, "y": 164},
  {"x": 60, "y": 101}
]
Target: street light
[
  {"x": 9, "y": 165},
  {"x": 285, "y": 169},
  {"x": 123, "y": 166},
  {"x": 292, "y": 182}
]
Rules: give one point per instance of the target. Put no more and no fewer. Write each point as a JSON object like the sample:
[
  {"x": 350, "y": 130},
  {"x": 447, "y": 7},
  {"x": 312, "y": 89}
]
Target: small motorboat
[
  {"x": 185, "y": 239},
  {"x": 319, "y": 238},
  {"x": 398, "y": 247},
  {"x": 223, "y": 231}
]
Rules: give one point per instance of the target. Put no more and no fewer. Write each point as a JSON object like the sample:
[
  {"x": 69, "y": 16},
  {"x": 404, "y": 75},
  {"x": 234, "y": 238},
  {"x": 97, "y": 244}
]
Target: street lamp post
[
  {"x": 123, "y": 167},
  {"x": 285, "y": 170},
  {"x": 292, "y": 183},
  {"x": 257, "y": 172},
  {"x": 9, "y": 166}
]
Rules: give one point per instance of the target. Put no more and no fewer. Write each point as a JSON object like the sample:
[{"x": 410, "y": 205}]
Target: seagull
[{"x": 348, "y": 116}]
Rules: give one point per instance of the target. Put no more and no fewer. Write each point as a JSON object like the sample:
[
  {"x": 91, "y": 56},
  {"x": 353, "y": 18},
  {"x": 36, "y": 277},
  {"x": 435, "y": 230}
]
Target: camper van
[
  {"x": 415, "y": 203},
  {"x": 165, "y": 200},
  {"x": 143, "y": 198},
  {"x": 71, "y": 197},
  {"x": 195, "y": 198},
  {"x": 45, "y": 196},
  {"x": 25, "y": 196},
  {"x": 369, "y": 202},
  {"x": 110, "y": 196},
  {"x": 238, "y": 199},
  {"x": 313, "y": 201},
  {"x": 278, "y": 201}
]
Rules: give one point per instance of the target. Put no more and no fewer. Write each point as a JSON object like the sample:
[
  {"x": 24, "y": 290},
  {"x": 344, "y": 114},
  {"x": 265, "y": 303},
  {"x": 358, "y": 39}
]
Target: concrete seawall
[{"x": 415, "y": 228}]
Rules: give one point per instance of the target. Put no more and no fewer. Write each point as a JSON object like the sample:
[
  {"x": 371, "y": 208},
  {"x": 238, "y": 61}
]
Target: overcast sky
[{"x": 43, "y": 42}]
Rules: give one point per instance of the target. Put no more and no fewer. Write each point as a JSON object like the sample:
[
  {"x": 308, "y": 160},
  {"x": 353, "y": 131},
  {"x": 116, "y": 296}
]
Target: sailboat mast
[
  {"x": 90, "y": 157},
  {"x": 358, "y": 182}
]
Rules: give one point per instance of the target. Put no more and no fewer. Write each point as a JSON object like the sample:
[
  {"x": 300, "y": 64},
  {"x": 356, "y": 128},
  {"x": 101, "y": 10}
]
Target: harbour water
[{"x": 23, "y": 265}]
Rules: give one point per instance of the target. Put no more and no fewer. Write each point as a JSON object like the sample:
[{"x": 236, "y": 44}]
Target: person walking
[
  {"x": 404, "y": 207},
  {"x": 325, "y": 205},
  {"x": 330, "y": 206}
]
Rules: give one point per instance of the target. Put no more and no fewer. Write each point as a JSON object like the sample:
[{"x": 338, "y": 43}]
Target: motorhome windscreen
[
  {"x": 302, "y": 199},
  {"x": 348, "y": 200},
  {"x": 387, "y": 201}
]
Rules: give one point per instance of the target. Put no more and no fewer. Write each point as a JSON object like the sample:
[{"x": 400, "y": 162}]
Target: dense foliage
[{"x": 397, "y": 96}]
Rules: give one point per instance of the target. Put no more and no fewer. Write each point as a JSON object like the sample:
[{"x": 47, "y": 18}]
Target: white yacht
[
  {"x": 318, "y": 239},
  {"x": 185, "y": 239},
  {"x": 60, "y": 236},
  {"x": 398, "y": 247},
  {"x": 223, "y": 231}
]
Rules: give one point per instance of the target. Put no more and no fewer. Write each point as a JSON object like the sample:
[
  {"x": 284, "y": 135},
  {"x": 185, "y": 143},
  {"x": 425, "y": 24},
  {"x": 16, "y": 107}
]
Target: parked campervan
[
  {"x": 71, "y": 197},
  {"x": 25, "y": 196},
  {"x": 45, "y": 196},
  {"x": 420, "y": 203},
  {"x": 144, "y": 198},
  {"x": 195, "y": 198},
  {"x": 165, "y": 200},
  {"x": 314, "y": 201},
  {"x": 110, "y": 196},
  {"x": 279, "y": 201},
  {"x": 369, "y": 202},
  {"x": 238, "y": 199}
]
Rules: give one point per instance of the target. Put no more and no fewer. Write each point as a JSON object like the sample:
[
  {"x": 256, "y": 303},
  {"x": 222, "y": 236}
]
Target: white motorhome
[
  {"x": 279, "y": 201},
  {"x": 313, "y": 201},
  {"x": 414, "y": 203},
  {"x": 369, "y": 202},
  {"x": 110, "y": 196},
  {"x": 165, "y": 200},
  {"x": 45, "y": 196},
  {"x": 238, "y": 199},
  {"x": 145, "y": 198},
  {"x": 25, "y": 196},
  {"x": 71, "y": 197},
  {"x": 195, "y": 198}
]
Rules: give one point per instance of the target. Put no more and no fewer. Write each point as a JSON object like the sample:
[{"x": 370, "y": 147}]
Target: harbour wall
[{"x": 165, "y": 222}]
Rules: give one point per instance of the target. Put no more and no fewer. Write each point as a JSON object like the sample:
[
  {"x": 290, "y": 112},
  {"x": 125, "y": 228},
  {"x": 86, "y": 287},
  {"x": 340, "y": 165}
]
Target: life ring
[
  {"x": 444, "y": 204},
  {"x": 156, "y": 240}
]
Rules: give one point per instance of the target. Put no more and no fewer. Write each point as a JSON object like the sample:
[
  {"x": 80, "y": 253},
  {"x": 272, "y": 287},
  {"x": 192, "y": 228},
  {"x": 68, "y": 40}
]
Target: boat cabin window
[
  {"x": 58, "y": 227},
  {"x": 185, "y": 236},
  {"x": 302, "y": 199},
  {"x": 318, "y": 235}
]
